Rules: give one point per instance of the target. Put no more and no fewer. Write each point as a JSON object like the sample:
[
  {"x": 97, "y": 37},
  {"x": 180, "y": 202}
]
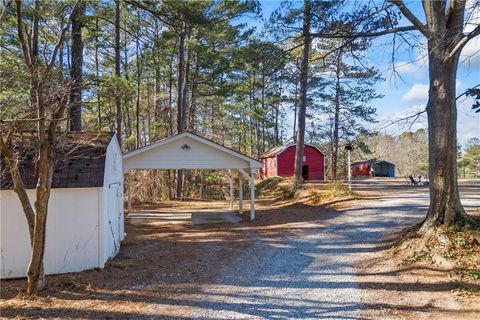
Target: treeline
[
  {"x": 469, "y": 159},
  {"x": 151, "y": 69},
  {"x": 408, "y": 151}
]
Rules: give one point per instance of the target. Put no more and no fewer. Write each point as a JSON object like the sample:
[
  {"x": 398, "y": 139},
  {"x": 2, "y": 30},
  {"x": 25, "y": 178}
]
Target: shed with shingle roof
[{"x": 85, "y": 218}]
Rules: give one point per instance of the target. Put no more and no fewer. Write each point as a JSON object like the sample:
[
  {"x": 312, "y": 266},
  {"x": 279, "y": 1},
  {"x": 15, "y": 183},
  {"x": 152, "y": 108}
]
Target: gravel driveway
[
  {"x": 293, "y": 262},
  {"x": 309, "y": 271}
]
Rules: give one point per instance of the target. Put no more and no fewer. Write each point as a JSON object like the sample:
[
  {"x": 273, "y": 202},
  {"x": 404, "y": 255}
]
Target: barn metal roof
[
  {"x": 278, "y": 150},
  {"x": 79, "y": 161}
]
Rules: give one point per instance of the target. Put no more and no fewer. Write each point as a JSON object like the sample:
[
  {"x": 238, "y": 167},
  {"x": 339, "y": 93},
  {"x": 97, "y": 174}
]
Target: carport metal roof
[{"x": 190, "y": 151}]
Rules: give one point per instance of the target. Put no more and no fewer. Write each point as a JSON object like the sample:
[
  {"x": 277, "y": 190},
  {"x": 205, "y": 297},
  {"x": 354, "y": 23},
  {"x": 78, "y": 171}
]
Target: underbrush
[
  {"x": 277, "y": 187},
  {"x": 332, "y": 191},
  {"x": 282, "y": 189}
]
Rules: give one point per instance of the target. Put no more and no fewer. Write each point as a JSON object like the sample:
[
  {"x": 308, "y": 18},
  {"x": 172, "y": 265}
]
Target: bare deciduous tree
[
  {"x": 444, "y": 31},
  {"x": 49, "y": 97}
]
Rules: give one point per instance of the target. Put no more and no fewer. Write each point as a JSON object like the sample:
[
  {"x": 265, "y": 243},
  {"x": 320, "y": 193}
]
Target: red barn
[
  {"x": 280, "y": 161},
  {"x": 361, "y": 169}
]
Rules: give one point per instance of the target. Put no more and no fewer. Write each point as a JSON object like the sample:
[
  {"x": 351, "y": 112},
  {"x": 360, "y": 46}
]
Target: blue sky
[{"x": 406, "y": 92}]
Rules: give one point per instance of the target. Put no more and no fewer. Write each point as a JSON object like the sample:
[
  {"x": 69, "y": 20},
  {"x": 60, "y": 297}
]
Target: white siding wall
[
  {"x": 199, "y": 156},
  {"x": 112, "y": 202},
  {"x": 72, "y": 242}
]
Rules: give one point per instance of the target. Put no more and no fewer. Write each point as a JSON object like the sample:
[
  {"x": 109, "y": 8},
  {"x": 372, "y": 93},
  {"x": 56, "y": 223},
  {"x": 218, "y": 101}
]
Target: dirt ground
[{"x": 294, "y": 261}]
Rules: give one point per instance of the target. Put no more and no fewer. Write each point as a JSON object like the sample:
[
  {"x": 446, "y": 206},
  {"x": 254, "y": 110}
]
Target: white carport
[{"x": 189, "y": 151}]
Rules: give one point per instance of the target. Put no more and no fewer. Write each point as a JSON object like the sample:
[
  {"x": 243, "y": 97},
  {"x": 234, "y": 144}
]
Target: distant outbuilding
[
  {"x": 373, "y": 168},
  {"x": 85, "y": 218},
  {"x": 280, "y": 161}
]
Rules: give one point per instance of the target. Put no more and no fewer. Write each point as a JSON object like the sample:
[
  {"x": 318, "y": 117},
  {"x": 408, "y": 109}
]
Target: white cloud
[
  {"x": 470, "y": 56},
  {"x": 404, "y": 67},
  {"x": 417, "y": 93}
]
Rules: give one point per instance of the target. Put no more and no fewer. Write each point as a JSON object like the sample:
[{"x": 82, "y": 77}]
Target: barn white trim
[{"x": 189, "y": 151}]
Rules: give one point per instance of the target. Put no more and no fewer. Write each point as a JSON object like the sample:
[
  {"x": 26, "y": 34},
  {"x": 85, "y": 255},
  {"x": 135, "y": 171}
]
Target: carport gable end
[{"x": 189, "y": 151}]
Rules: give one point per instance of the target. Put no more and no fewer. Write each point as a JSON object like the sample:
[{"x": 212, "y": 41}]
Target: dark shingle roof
[{"x": 79, "y": 161}]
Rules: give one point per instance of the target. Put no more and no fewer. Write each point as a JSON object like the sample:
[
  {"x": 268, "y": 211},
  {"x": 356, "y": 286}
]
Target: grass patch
[
  {"x": 332, "y": 191},
  {"x": 466, "y": 291},
  {"x": 416, "y": 257},
  {"x": 277, "y": 187}
]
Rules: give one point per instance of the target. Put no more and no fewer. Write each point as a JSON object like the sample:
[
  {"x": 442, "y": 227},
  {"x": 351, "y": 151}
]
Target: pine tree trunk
[
  {"x": 277, "y": 113},
  {"x": 139, "y": 75},
  {"x": 170, "y": 93},
  {"x": 118, "y": 104},
  {"x": 337, "y": 117},
  {"x": 181, "y": 100},
  {"x": 303, "y": 96},
  {"x": 193, "y": 102},
  {"x": 295, "y": 101},
  {"x": 75, "y": 109},
  {"x": 97, "y": 75}
]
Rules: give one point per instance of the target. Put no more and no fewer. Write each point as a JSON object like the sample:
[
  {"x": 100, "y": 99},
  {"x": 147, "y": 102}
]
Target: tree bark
[
  {"x": 181, "y": 81},
  {"x": 75, "y": 109},
  {"x": 277, "y": 113},
  {"x": 295, "y": 101},
  {"x": 139, "y": 75},
  {"x": 180, "y": 99},
  {"x": 445, "y": 42},
  {"x": 193, "y": 102},
  {"x": 19, "y": 188},
  {"x": 170, "y": 93},
  {"x": 303, "y": 96},
  {"x": 445, "y": 206},
  {"x": 118, "y": 103},
  {"x": 337, "y": 116},
  {"x": 45, "y": 168},
  {"x": 97, "y": 75}
]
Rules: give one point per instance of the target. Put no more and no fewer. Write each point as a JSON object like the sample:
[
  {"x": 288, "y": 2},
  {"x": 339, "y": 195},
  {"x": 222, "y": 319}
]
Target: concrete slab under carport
[{"x": 195, "y": 217}]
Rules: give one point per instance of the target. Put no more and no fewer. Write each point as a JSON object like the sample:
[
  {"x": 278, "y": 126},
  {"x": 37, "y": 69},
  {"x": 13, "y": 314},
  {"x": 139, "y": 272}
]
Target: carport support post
[
  {"x": 129, "y": 192},
  {"x": 231, "y": 190},
  {"x": 252, "y": 194},
  {"x": 240, "y": 194}
]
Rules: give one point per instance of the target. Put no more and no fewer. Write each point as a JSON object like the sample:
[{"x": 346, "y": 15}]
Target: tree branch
[
  {"x": 21, "y": 36},
  {"x": 18, "y": 186},
  {"x": 155, "y": 13},
  {"x": 411, "y": 17},
  {"x": 475, "y": 32},
  {"x": 363, "y": 34},
  {"x": 60, "y": 41}
]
